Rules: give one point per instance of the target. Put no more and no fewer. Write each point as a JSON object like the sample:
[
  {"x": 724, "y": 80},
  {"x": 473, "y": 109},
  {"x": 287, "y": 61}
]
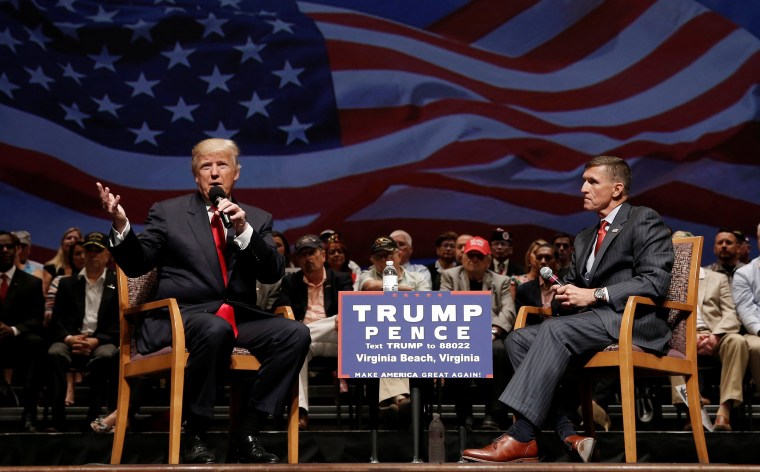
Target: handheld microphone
[
  {"x": 548, "y": 275},
  {"x": 215, "y": 194}
]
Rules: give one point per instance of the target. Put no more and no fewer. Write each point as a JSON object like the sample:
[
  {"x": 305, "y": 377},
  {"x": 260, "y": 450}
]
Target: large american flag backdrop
[{"x": 422, "y": 115}]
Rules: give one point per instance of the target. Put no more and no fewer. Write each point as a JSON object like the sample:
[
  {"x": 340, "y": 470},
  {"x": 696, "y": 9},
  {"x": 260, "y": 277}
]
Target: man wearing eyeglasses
[
  {"x": 474, "y": 274},
  {"x": 21, "y": 310},
  {"x": 445, "y": 249}
]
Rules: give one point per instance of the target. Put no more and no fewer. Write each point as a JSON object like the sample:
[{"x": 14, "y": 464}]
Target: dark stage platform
[{"x": 395, "y": 449}]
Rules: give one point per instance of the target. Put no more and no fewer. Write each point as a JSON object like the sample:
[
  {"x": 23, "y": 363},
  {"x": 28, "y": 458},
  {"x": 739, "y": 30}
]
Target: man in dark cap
[
  {"x": 501, "y": 249},
  {"x": 84, "y": 329},
  {"x": 312, "y": 293}
]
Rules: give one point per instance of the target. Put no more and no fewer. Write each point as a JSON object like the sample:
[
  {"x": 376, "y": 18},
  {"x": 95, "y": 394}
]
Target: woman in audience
[
  {"x": 283, "y": 248},
  {"x": 530, "y": 265},
  {"x": 59, "y": 264},
  {"x": 337, "y": 256}
]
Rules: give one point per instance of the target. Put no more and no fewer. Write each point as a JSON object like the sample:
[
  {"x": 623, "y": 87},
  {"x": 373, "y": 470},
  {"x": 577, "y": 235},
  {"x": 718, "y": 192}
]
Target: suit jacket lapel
[
  {"x": 197, "y": 219},
  {"x": 614, "y": 230},
  {"x": 109, "y": 291},
  {"x": 464, "y": 281},
  {"x": 80, "y": 293}
]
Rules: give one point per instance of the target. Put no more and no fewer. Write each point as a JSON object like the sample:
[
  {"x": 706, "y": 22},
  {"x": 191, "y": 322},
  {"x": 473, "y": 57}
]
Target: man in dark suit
[
  {"x": 84, "y": 330},
  {"x": 212, "y": 272},
  {"x": 628, "y": 253},
  {"x": 22, "y": 307},
  {"x": 312, "y": 293}
]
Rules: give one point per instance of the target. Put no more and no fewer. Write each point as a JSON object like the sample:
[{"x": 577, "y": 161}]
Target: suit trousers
[
  {"x": 732, "y": 352},
  {"x": 103, "y": 369},
  {"x": 324, "y": 343},
  {"x": 25, "y": 353},
  {"x": 540, "y": 355},
  {"x": 279, "y": 344},
  {"x": 753, "y": 344}
]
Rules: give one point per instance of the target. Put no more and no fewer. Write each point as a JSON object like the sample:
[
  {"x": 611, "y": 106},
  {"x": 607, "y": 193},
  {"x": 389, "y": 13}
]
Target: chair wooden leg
[
  {"x": 695, "y": 416},
  {"x": 293, "y": 425},
  {"x": 122, "y": 414},
  {"x": 175, "y": 413},
  {"x": 628, "y": 403},
  {"x": 587, "y": 408}
]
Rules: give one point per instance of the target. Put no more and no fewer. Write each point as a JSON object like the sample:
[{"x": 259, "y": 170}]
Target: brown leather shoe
[
  {"x": 581, "y": 445},
  {"x": 505, "y": 448},
  {"x": 722, "y": 423}
]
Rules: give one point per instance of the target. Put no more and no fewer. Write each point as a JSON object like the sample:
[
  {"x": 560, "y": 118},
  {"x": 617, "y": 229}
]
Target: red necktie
[
  {"x": 600, "y": 234},
  {"x": 225, "y": 311},
  {"x": 3, "y": 288}
]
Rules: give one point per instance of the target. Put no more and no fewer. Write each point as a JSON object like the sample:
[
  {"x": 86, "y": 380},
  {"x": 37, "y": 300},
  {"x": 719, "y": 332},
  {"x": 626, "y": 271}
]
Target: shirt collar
[{"x": 11, "y": 272}]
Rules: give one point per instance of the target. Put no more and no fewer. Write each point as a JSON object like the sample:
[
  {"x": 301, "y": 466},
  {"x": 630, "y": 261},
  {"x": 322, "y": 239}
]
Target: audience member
[
  {"x": 718, "y": 337},
  {"x": 726, "y": 249},
  {"x": 21, "y": 311},
  {"x": 394, "y": 392},
  {"x": 501, "y": 249},
  {"x": 531, "y": 266},
  {"x": 746, "y": 293},
  {"x": 474, "y": 275},
  {"x": 59, "y": 264},
  {"x": 76, "y": 261},
  {"x": 564, "y": 244},
  {"x": 212, "y": 272},
  {"x": 312, "y": 293},
  {"x": 628, "y": 253},
  {"x": 461, "y": 243},
  {"x": 84, "y": 330},
  {"x": 536, "y": 292},
  {"x": 744, "y": 247},
  {"x": 337, "y": 257},
  {"x": 24, "y": 263},
  {"x": 282, "y": 246},
  {"x": 445, "y": 251},
  {"x": 405, "y": 249},
  {"x": 329, "y": 235}
]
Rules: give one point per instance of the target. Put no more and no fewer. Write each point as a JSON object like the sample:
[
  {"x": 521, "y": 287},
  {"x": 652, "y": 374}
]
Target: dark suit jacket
[
  {"x": 636, "y": 258},
  {"x": 68, "y": 311},
  {"x": 295, "y": 293},
  {"x": 178, "y": 240},
  {"x": 24, "y": 305}
]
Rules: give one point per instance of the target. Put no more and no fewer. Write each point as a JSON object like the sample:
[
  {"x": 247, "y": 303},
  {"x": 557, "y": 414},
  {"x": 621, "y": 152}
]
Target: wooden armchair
[
  {"x": 624, "y": 359},
  {"x": 134, "y": 301}
]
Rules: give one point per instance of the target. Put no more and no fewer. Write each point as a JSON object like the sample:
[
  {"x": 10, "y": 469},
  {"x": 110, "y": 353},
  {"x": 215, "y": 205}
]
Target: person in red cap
[{"x": 474, "y": 274}]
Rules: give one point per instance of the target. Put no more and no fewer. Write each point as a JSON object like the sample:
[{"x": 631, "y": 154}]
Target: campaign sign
[{"x": 415, "y": 335}]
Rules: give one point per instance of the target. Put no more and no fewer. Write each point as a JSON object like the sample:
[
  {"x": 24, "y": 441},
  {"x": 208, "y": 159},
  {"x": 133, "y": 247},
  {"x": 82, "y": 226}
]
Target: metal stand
[
  {"x": 416, "y": 399},
  {"x": 373, "y": 399}
]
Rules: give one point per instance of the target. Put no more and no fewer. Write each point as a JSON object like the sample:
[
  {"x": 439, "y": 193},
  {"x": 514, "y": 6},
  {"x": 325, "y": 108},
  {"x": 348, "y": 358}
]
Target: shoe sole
[
  {"x": 586, "y": 449},
  {"x": 515, "y": 461}
]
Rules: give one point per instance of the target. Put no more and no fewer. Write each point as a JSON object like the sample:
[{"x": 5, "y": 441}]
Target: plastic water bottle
[
  {"x": 436, "y": 448},
  {"x": 390, "y": 278}
]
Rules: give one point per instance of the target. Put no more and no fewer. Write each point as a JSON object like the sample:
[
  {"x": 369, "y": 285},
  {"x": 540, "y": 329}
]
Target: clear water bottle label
[{"x": 390, "y": 283}]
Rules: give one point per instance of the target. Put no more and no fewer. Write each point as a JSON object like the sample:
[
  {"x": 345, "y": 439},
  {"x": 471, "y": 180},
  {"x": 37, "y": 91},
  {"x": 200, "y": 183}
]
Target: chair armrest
[
  {"x": 522, "y": 315},
  {"x": 625, "y": 338},
  {"x": 285, "y": 312},
  {"x": 175, "y": 319}
]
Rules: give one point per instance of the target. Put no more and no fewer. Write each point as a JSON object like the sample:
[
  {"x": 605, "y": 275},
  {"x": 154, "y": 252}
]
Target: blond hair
[{"x": 215, "y": 145}]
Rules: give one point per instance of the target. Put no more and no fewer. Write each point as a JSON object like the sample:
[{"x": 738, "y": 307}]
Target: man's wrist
[{"x": 600, "y": 295}]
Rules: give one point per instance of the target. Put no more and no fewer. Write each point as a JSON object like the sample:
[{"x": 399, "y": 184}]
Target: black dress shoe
[
  {"x": 197, "y": 451},
  {"x": 251, "y": 451}
]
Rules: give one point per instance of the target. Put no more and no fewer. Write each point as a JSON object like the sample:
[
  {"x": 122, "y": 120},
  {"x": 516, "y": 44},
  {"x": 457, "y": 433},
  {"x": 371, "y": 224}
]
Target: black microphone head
[
  {"x": 215, "y": 194},
  {"x": 546, "y": 273}
]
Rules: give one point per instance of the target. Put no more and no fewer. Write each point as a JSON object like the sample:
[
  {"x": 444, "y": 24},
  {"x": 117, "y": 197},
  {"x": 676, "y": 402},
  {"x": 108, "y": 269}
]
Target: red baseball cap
[{"x": 478, "y": 244}]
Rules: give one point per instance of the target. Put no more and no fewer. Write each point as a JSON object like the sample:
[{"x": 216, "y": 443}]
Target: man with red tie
[
  {"x": 21, "y": 311},
  {"x": 212, "y": 271},
  {"x": 628, "y": 252}
]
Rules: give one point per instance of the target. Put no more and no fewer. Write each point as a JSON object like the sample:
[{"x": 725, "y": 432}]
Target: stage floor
[{"x": 394, "y": 450}]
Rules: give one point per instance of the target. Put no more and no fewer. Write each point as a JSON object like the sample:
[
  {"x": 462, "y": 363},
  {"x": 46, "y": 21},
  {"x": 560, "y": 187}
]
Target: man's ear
[{"x": 617, "y": 190}]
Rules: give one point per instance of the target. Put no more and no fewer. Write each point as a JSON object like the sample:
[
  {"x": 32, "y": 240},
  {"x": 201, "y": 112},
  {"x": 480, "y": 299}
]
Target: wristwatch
[{"x": 599, "y": 296}]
